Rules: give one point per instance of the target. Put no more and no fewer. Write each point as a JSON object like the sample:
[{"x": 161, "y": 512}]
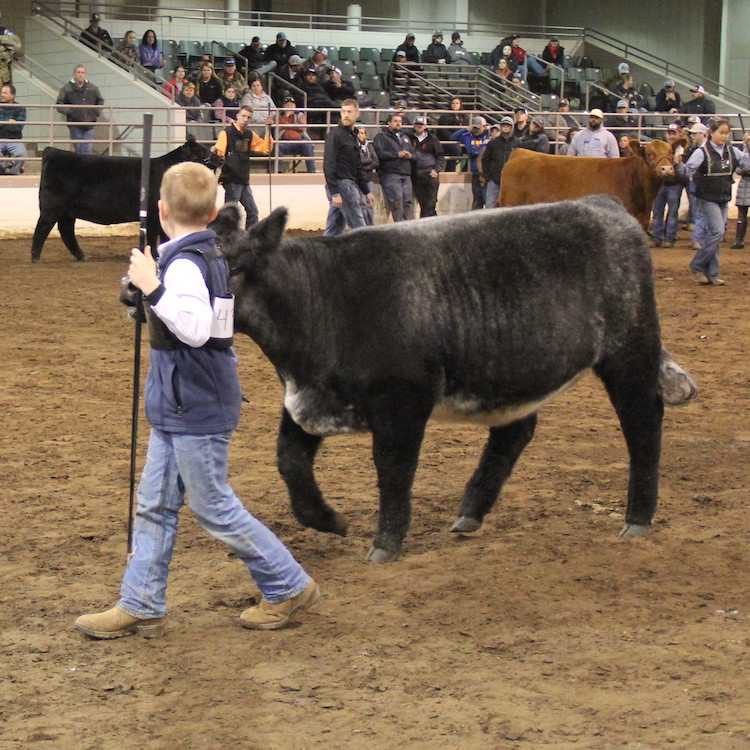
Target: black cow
[
  {"x": 101, "y": 189},
  {"x": 482, "y": 317}
]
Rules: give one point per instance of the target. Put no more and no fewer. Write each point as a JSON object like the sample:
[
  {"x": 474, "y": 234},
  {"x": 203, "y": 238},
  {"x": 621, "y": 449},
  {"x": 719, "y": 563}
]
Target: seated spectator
[
  {"x": 126, "y": 53},
  {"x": 319, "y": 61},
  {"x": 449, "y": 123},
  {"x": 554, "y": 54},
  {"x": 151, "y": 57},
  {"x": 524, "y": 61},
  {"x": 96, "y": 37},
  {"x": 667, "y": 98},
  {"x": 292, "y": 74},
  {"x": 700, "y": 104},
  {"x": 280, "y": 52},
  {"x": 254, "y": 55},
  {"x": 293, "y": 137},
  {"x": 195, "y": 112},
  {"x": 625, "y": 89},
  {"x": 456, "y": 50},
  {"x": 503, "y": 69},
  {"x": 622, "y": 120},
  {"x": 562, "y": 148},
  {"x": 174, "y": 85},
  {"x": 227, "y": 105},
  {"x": 208, "y": 88},
  {"x": 398, "y": 77},
  {"x": 505, "y": 52},
  {"x": 436, "y": 51},
  {"x": 563, "y": 119},
  {"x": 370, "y": 163},
  {"x": 12, "y": 117},
  {"x": 408, "y": 48},
  {"x": 336, "y": 88},
  {"x": 536, "y": 139},
  {"x": 230, "y": 76},
  {"x": 261, "y": 103}
]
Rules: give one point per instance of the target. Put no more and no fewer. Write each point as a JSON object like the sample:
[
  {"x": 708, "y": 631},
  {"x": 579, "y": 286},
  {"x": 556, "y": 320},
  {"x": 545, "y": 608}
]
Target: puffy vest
[
  {"x": 713, "y": 180},
  {"x": 236, "y": 169}
]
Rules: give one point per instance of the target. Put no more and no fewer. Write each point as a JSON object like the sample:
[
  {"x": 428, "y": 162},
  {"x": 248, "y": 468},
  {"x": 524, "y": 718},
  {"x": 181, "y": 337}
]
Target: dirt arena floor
[{"x": 543, "y": 630}]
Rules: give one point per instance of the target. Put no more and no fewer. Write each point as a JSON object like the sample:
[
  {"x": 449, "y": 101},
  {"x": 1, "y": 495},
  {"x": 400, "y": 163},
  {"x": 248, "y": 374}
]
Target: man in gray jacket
[
  {"x": 395, "y": 152},
  {"x": 80, "y": 91}
]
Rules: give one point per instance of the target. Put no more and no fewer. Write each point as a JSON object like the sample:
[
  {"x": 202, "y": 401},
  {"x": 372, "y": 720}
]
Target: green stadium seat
[
  {"x": 386, "y": 54},
  {"x": 369, "y": 53},
  {"x": 349, "y": 53},
  {"x": 365, "y": 67}
]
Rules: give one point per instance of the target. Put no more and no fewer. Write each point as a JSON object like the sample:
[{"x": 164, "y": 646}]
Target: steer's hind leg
[
  {"x": 66, "y": 225},
  {"x": 296, "y": 453},
  {"x": 43, "y": 228},
  {"x": 500, "y": 454},
  {"x": 634, "y": 392},
  {"x": 397, "y": 419}
]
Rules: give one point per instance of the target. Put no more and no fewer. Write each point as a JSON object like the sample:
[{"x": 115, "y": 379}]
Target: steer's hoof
[
  {"x": 466, "y": 524},
  {"x": 634, "y": 530},
  {"x": 80, "y": 257},
  {"x": 380, "y": 555}
]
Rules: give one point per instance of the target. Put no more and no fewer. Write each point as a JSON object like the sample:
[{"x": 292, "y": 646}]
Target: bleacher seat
[
  {"x": 305, "y": 51},
  {"x": 371, "y": 81},
  {"x": 333, "y": 53},
  {"x": 369, "y": 53},
  {"x": 382, "y": 66},
  {"x": 593, "y": 74},
  {"x": 382, "y": 99},
  {"x": 365, "y": 67},
  {"x": 486, "y": 59},
  {"x": 346, "y": 67},
  {"x": 236, "y": 47},
  {"x": 386, "y": 54},
  {"x": 349, "y": 53},
  {"x": 354, "y": 80},
  {"x": 645, "y": 90},
  {"x": 475, "y": 58},
  {"x": 191, "y": 49},
  {"x": 170, "y": 47}
]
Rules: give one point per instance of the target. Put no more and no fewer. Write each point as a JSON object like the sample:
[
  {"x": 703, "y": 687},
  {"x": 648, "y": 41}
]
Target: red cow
[{"x": 530, "y": 177}]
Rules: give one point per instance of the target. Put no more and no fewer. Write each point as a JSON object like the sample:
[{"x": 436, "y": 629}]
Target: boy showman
[{"x": 193, "y": 404}]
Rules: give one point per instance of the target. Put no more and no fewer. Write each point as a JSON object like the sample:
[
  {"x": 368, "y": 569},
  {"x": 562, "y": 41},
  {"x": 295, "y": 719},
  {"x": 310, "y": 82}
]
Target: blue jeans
[
  {"x": 82, "y": 137},
  {"x": 350, "y": 212},
  {"x": 367, "y": 212},
  {"x": 197, "y": 464},
  {"x": 668, "y": 197},
  {"x": 706, "y": 259},
  {"x": 699, "y": 223},
  {"x": 234, "y": 192},
  {"x": 491, "y": 193},
  {"x": 301, "y": 147},
  {"x": 17, "y": 150},
  {"x": 398, "y": 195}
]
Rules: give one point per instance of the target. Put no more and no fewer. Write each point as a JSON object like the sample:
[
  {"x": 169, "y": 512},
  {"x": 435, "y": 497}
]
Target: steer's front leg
[{"x": 397, "y": 419}]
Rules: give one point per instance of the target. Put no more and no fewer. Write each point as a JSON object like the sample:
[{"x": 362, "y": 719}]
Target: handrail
[
  {"x": 287, "y": 85},
  {"x": 33, "y": 67},
  {"x": 243, "y": 64}
]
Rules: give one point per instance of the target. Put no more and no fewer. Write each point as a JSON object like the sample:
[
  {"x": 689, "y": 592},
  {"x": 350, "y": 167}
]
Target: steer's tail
[{"x": 677, "y": 385}]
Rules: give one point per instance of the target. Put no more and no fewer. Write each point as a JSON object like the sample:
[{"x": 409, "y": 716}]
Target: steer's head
[
  {"x": 658, "y": 155},
  {"x": 191, "y": 150}
]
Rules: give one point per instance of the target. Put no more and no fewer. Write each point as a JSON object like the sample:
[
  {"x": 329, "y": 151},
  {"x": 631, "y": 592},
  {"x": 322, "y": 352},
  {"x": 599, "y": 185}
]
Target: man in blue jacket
[{"x": 473, "y": 140}]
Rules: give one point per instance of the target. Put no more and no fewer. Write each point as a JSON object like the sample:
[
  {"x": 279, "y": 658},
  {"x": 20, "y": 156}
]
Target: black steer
[
  {"x": 101, "y": 189},
  {"x": 482, "y": 317}
]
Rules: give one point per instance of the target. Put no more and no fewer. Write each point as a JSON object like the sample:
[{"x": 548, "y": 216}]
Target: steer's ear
[
  {"x": 636, "y": 148},
  {"x": 227, "y": 220},
  {"x": 268, "y": 233},
  {"x": 681, "y": 141}
]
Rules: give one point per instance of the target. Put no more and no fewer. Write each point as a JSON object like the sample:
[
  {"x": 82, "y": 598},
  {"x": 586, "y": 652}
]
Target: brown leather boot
[
  {"x": 267, "y": 616},
  {"x": 114, "y": 623}
]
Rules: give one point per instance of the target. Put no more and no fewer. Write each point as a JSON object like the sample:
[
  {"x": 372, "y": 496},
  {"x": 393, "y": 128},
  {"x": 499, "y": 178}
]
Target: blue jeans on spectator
[
  {"x": 301, "y": 147},
  {"x": 349, "y": 213},
  {"x": 668, "y": 197},
  {"x": 706, "y": 259},
  {"x": 17, "y": 150},
  {"x": 234, "y": 192},
  {"x": 197, "y": 465},
  {"x": 367, "y": 212},
  {"x": 82, "y": 135},
  {"x": 398, "y": 195},
  {"x": 491, "y": 193}
]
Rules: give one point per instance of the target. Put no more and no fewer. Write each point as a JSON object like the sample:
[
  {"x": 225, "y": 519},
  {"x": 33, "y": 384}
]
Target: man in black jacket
[
  {"x": 436, "y": 52},
  {"x": 427, "y": 164},
  {"x": 494, "y": 157},
  {"x": 346, "y": 178},
  {"x": 395, "y": 152},
  {"x": 95, "y": 36}
]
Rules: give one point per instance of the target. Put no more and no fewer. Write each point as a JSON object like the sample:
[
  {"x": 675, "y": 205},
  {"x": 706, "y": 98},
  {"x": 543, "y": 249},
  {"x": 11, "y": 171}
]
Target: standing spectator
[
  {"x": 622, "y": 121},
  {"x": 595, "y": 140},
  {"x": 174, "y": 86},
  {"x": 411, "y": 53},
  {"x": 151, "y": 57},
  {"x": 700, "y": 104},
  {"x": 395, "y": 153},
  {"x": 553, "y": 53},
  {"x": 260, "y": 103},
  {"x": 427, "y": 163},
  {"x": 564, "y": 147},
  {"x": 698, "y": 137},
  {"x": 280, "y": 51},
  {"x": 474, "y": 140},
  {"x": 230, "y": 76},
  {"x": 436, "y": 51},
  {"x": 346, "y": 179},
  {"x": 370, "y": 163},
  {"x": 449, "y": 123},
  {"x": 255, "y": 56},
  {"x": 81, "y": 119},
  {"x": 563, "y": 121},
  {"x": 195, "y": 113},
  {"x": 742, "y": 199},
  {"x": 126, "y": 53},
  {"x": 234, "y": 145},
  {"x": 336, "y": 88},
  {"x": 668, "y": 99},
  {"x": 522, "y": 125},
  {"x": 12, "y": 117},
  {"x": 536, "y": 139},
  {"x": 713, "y": 167},
  {"x": 10, "y": 49},
  {"x": 96, "y": 37},
  {"x": 456, "y": 49},
  {"x": 668, "y": 197},
  {"x": 227, "y": 105},
  {"x": 293, "y": 137},
  {"x": 494, "y": 158},
  {"x": 624, "y": 143}
]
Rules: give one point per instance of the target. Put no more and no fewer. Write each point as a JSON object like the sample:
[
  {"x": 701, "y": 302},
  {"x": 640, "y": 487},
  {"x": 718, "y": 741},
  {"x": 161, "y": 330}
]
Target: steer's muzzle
[{"x": 666, "y": 170}]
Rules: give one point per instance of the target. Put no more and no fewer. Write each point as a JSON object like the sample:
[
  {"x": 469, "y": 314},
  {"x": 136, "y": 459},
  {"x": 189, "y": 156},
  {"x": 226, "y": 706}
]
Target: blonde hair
[{"x": 189, "y": 192}]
